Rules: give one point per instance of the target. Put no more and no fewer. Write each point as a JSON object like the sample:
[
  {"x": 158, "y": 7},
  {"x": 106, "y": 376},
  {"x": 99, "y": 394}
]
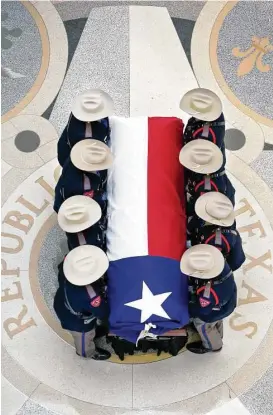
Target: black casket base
[{"x": 167, "y": 344}]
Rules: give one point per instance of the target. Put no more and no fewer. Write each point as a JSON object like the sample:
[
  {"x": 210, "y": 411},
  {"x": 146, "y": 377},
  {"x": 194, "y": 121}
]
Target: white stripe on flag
[{"x": 127, "y": 189}]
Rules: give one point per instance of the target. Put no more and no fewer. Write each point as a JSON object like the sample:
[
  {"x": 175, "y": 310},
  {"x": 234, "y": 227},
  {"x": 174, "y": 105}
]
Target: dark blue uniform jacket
[
  {"x": 198, "y": 184},
  {"x": 194, "y": 223},
  {"x": 72, "y": 182},
  {"x": 95, "y": 235},
  {"x": 219, "y": 303},
  {"x": 75, "y": 131},
  {"x": 213, "y": 131},
  {"x": 227, "y": 240},
  {"x": 78, "y": 308}
]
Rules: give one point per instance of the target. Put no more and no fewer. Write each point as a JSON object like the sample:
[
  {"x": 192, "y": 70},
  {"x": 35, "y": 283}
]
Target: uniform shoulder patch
[
  {"x": 204, "y": 302},
  {"x": 96, "y": 302},
  {"x": 90, "y": 193}
]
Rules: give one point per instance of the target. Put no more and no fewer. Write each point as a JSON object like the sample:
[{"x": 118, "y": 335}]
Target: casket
[{"x": 146, "y": 233}]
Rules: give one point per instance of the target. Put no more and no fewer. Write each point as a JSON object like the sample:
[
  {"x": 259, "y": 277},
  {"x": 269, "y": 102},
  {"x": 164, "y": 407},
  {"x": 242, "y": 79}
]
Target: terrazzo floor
[{"x": 146, "y": 54}]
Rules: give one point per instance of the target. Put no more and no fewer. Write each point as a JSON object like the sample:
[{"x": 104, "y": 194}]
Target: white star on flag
[{"x": 150, "y": 304}]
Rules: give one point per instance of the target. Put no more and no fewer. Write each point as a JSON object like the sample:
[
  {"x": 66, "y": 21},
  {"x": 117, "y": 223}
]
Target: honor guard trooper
[
  {"x": 214, "y": 224},
  {"x": 89, "y": 119},
  {"x": 213, "y": 295},
  {"x": 85, "y": 173},
  {"x": 80, "y": 217},
  {"x": 212, "y": 208},
  {"x": 207, "y": 122},
  {"x": 79, "y": 302},
  {"x": 203, "y": 159},
  {"x": 199, "y": 184}
]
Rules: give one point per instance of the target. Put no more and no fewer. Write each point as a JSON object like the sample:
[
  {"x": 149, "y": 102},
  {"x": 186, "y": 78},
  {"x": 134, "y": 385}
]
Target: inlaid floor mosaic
[{"x": 51, "y": 51}]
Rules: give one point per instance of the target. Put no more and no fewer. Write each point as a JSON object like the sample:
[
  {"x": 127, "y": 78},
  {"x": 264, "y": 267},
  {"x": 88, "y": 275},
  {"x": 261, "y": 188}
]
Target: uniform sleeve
[
  {"x": 96, "y": 302},
  {"x": 58, "y": 200},
  {"x": 236, "y": 257},
  {"x": 63, "y": 150}
]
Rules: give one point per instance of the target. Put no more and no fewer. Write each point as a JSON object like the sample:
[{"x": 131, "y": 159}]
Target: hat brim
[
  {"x": 85, "y": 116},
  {"x": 88, "y": 278},
  {"x": 213, "y": 166},
  {"x": 219, "y": 263},
  {"x": 200, "y": 210},
  {"x": 77, "y": 161},
  {"x": 94, "y": 214},
  {"x": 213, "y": 114}
]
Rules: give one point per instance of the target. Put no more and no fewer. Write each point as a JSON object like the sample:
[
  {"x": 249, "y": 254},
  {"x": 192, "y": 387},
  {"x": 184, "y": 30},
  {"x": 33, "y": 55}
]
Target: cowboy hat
[
  {"x": 78, "y": 213},
  {"x": 201, "y": 156},
  {"x": 202, "y": 104},
  {"x": 216, "y": 208},
  {"x": 85, "y": 265},
  {"x": 91, "y": 155},
  {"x": 202, "y": 261},
  {"x": 92, "y": 105}
]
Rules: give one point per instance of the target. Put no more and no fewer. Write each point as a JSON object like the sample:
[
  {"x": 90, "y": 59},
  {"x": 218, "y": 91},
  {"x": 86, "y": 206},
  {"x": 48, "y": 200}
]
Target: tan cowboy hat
[
  {"x": 201, "y": 156},
  {"x": 92, "y": 105},
  {"x": 216, "y": 208},
  {"x": 91, "y": 155},
  {"x": 202, "y": 104},
  {"x": 202, "y": 261},
  {"x": 85, "y": 265},
  {"x": 78, "y": 213}
]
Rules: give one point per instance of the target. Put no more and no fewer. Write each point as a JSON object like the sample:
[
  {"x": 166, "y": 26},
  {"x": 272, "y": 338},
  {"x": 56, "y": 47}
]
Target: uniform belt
[
  {"x": 222, "y": 173},
  {"x": 229, "y": 231},
  {"x": 217, "y": 124},
  {"x": 216, "y": 282}
]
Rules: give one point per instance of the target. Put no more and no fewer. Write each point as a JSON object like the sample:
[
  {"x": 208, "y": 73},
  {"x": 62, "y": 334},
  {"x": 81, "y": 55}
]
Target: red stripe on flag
[{"x": 166, "y": 200}]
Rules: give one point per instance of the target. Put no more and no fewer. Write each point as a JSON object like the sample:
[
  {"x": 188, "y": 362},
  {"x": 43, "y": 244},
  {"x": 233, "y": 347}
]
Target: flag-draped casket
[{"x": 146, "y": 234}]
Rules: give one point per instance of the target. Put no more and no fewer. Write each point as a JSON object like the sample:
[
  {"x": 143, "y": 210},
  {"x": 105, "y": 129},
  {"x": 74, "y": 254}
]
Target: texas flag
[{"x": 146, "y": 234}]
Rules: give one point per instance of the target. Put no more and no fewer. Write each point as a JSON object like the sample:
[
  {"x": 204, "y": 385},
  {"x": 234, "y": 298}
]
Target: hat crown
[
  {"x": 201, "y": 261},
  {"x": 201, "y": 155},
  {"x": 219, "y": 209},
  {"x": 92, "y": 102},
  {"x": 84, "y": 264},
  {"x": 94, "y": 154},
  {"x": 201, "y": 102},
  {"x": 76, "y": 213}
]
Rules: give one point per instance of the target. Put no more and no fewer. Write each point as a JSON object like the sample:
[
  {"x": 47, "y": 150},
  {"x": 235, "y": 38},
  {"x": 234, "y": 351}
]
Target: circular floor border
[
  {"x": 262, "y": 357},
  {"x": 201, "y": 62},
  {"x": 218, "y": 73},
  {"x": 53, "y": 64}
]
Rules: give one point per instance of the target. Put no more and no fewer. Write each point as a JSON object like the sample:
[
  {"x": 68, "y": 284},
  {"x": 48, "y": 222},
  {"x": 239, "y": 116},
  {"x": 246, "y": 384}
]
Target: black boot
[
  {"x": 101, "y": 354},
  {"x": 198, "y": 348}
]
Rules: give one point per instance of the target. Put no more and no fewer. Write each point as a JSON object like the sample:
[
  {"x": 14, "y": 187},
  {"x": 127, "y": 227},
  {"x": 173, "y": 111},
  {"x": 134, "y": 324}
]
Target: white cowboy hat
[
  {"x": 91, "y": 155},
  {"x": 202, "y": 261},
  {"x": 216, "y": 208},
  {"x": 85, "y": 265},
  {"x": 92, "y": 105},
  {"x": 201, "y": 156},
  {"x": 202, "y": 104},
  {"x": 78, "y": 213}
]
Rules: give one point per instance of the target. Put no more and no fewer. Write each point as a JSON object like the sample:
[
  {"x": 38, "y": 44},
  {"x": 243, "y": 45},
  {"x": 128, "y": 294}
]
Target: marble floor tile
[
  {"x": 5, "y": 168},
  {"x": 31, "y": 408},
  {"x": 259, "y": 399},
  {"x": 12, "y": 179},
  {"x": 108, "y": 69},
  {"x": 158, "y": 62},
  {"x": 16, "y": 374},
  {"x": 12, "y": 399},
  {"x": 263, "y": 166},
  {"x": 179, "y": 9}
]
